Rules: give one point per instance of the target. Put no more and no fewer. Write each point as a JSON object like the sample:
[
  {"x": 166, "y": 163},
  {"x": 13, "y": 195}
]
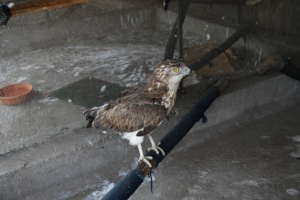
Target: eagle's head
[{"x": 169, "y": 73}]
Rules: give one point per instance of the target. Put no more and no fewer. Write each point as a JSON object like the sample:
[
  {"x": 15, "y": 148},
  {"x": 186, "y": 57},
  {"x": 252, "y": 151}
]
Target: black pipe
[
  {"x": 166, "y": 4},
  {"x": 172, "y": 40},
  {"x": 128, "y": 185},
  {"x": 225, "y": 45}
]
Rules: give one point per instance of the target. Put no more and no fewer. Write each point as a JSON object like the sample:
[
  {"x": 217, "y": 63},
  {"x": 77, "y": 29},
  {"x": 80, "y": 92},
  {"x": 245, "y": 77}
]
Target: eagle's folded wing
[{"x": 128, "y": 117}]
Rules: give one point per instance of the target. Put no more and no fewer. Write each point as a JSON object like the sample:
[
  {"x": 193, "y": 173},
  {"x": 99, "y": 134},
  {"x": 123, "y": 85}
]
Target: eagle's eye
[{"x": 176, "y": 69}]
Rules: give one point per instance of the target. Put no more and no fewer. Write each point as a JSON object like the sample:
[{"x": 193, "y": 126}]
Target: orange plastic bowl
[{"x": 15, "y": 94}]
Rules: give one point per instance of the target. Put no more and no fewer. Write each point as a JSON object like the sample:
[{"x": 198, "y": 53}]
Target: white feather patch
[
  {"x": 10, "y": 4},
  {"x": 133, "y": 139}
]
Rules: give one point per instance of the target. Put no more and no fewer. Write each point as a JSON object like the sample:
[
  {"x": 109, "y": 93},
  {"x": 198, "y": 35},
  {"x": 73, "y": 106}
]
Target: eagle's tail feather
[{"x": 91, "y": 114}]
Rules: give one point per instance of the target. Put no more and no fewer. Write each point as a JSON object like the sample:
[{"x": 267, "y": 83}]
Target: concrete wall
[
  {"x": 70, "y": 24},
  {"x": 123, "y": 4},
  {"x": 277, "y": 22},
  {"x": 272, "y": 15}
]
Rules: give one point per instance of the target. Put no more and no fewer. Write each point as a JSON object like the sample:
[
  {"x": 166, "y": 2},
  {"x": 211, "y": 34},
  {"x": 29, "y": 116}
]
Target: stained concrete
[
  {"x": 89, "y": 92},
  {"x": 45, "y": 151}
]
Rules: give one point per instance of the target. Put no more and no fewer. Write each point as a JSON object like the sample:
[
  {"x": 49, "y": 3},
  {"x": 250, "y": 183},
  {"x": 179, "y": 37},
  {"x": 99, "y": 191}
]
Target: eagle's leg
[
  {"x": 155, "y": 147},
  {"x": 143, "y": 158}
]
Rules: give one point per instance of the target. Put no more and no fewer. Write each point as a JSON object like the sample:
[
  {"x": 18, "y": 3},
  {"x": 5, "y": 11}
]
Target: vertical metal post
[
  {"x": 179, "y": 29},
  {"x": 172, "y": 40}
]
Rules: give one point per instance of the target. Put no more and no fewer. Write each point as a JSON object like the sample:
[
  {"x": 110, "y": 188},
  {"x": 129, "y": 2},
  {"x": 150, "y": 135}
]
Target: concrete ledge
[
  {"x": 36, "y": 121},
  {"x": 277, "y": 88}
]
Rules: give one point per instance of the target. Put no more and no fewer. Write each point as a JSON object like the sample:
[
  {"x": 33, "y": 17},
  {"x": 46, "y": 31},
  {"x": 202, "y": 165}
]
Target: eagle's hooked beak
[{"x": 186, "y": 70}]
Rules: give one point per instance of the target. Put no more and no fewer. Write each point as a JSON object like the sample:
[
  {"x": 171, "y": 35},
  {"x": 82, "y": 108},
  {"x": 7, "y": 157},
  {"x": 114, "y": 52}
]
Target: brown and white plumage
[{"x": 141, "y": 110}]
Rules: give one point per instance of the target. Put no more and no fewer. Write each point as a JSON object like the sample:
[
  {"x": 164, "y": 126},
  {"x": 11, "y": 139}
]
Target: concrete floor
[
  {"x": 252, "y": 161},
  {"x": 45, "y": 153},
  {"x": 257, "y": 160}
]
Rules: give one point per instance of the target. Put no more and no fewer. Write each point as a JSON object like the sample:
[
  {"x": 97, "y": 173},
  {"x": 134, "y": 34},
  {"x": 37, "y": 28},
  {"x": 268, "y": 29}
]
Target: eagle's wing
[
  {"x": 128, "y": 117},
  {"x": 143, "y": 96}
]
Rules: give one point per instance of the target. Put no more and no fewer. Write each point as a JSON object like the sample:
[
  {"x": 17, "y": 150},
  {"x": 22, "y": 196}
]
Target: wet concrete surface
[
  {"x": 249, "y": 161},
  {"x": 43, "y": 142},
  {"x": 88, "y": 92}
]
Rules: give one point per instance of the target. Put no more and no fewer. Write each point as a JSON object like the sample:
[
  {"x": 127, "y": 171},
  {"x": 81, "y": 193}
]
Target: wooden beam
[{"x": 41, "y": 5}]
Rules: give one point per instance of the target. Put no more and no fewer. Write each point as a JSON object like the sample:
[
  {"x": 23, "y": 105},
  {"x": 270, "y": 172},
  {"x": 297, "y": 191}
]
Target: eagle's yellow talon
[
  {"x": 157, "y": 150},
  {"x": 155, "y": 147},
  {"x": 161, "y": 150},
  {"x": 149, "y": 157},
  {"x": 146, "y": 161}
]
